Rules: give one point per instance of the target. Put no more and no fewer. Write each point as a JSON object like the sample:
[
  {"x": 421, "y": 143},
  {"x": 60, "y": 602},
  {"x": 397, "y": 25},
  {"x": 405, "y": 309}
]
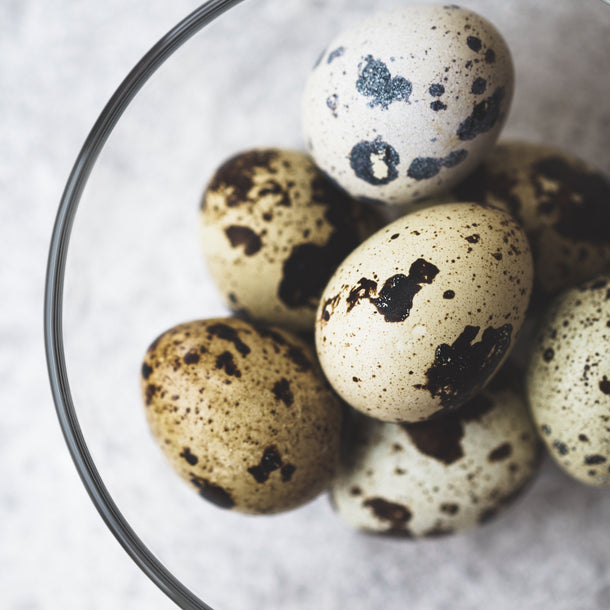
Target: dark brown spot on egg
[
  {"x": 594, "y": 459},
  {"x": 501, "y": 452},
  {"x": 297, "y": 356},
  {"x": 287, "y": 471},
  {"x": 362, "y": 290},
  {"x": 396, "y": 515},
  {"x": 450, "y": 508},
  {"x": 461, "y": 369},
  {"x": 309, "y": 266},
  {"x": 604, "y": 385},
  {"x": 329, "y": 307},
  {"x": 225, "y": 332},
  {"x": 448, "y": 294},
  {"x": 235, "y": 176},
  {"x": 281, "y": 390},
  {"x": 244, "y": 236},
  {"x": 438, "y": 438},
  {"x": 548, "y": 354},
  {"x": 188, "y": 456},
  {"x": 191, "y": 357},
  {"x": 395, "y": 299},
  {"x": 561, "y": 447},
  {"x": 150, "y": 392},
  {"x": 270, "y": 461},
  {"x": 225, "y": 362},
  {"x": 473, "y": 239},
  {"x": 146, "y": 370},
  {"x": 212, "y": 493}
]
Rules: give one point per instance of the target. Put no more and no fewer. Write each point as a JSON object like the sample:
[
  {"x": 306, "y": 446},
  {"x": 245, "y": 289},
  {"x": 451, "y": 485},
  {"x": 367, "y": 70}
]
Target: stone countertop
[{"x": 60, "y": 63}]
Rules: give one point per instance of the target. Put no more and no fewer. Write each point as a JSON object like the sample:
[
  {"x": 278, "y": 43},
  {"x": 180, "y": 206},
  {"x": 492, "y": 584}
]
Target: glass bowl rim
[{"x": 53, "y": 299}]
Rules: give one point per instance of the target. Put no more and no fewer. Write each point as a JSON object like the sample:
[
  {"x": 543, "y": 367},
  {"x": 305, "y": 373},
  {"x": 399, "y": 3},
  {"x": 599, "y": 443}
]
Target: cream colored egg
[
  {"x": 563, "y": 205},
  {"x": 408, "y": 102},
  {"x": 568, "y": 381},
  {"x": 242, "y": 413},
  {"x": 273, "y": 230},
  {"x": 442, "y": 476},
  {"x": 421, "y": 315}
]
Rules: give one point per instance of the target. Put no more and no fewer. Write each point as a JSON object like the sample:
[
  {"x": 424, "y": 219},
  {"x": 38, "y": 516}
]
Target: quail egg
[
  {"x": 407, "y": 103},
  {"x": 420, "y": 316},
  {"x": 242, "y": 413},
  {"x": 440, "y": 476},
  {"x": 568, "y": 381}
]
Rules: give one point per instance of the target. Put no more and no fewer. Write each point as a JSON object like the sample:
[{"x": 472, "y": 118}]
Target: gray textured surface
[{"x": 135, "y": 269}]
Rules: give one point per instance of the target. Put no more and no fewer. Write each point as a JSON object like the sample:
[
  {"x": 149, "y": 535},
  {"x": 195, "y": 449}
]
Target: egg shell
[
  {"x": 568, "y": 381},
  {"x": 562, "y": 203},
  {"x": 418, "y": 318},
  {"x": 408, "y": 102},
  {"x": 442, "y": 476},
  {"x": 242, "y": 413},
  {"x": 273, "y": 229}
]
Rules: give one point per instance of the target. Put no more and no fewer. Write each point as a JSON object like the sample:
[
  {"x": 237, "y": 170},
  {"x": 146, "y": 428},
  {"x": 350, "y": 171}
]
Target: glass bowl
[{"x": 128, "y": 266}]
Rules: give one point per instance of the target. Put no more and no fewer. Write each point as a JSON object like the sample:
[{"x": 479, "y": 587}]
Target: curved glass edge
[{"x": 53, "y": 303}]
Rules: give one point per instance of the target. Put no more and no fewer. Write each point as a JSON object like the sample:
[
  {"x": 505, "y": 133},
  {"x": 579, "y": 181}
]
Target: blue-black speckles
[
  {"x": 484, "y": 116},
  {"x": 474, "y": 43},
  {"x": 478, "y": 86},
  {"x": 437, "y": 105},
  {"x": 424, "y": 168},
  {"x": 366, "y": 157},
  {"x": 375, "y": 81},
  {"x": 331, "y": 102},
  {"x": 334, "y": 54},
  {"x": 454, "y": 158},
  {"x": 436, "y": 90},
  {"x": 561, "y": 447}
]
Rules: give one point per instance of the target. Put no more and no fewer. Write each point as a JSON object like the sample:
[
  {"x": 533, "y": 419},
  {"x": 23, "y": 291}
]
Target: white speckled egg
[
  {"x": 441, "y": 476},
  {"x": 408, "y": 102},
  {"x": 273, "y": 230},
  {"x": 568, "y": 381},
  {"x": 420, "y": 316},
  {"x": 563, "y": 205},
  {"x": 242, "y": 413}
]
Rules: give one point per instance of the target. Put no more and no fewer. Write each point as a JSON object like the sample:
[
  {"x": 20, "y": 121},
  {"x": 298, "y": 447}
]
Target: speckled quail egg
[
  {"x": 440, "y": 476},
  {"x": 273, "y": 230},
  {"x": 242, "y": 413},
  {"x": 408, "y": 102},
  {"x": 420, "y": 316},
  {"x": 568, "y": 381},
  {"x": 563, "y": 205}
]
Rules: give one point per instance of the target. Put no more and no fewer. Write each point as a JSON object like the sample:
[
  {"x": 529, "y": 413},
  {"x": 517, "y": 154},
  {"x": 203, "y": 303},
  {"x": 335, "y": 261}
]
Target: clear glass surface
[{"x": 125, "y": 264}]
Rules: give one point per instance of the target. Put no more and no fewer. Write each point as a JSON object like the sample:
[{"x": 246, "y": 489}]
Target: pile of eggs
[{"x": 380, "y": 283}]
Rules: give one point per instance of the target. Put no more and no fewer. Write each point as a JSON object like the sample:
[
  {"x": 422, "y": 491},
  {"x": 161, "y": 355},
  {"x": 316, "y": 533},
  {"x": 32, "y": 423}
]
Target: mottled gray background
[{"x": 134, "y": 269}]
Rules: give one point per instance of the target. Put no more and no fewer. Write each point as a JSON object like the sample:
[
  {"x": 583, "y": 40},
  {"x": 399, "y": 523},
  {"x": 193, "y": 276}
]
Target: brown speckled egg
[
  {"x": 568, "y": 381},
  {"x": 441, "y": 476},
  {"x": 242, "y": 413},
  {"x": 420, "y": 316},
  {"x": 273, "y": 231},
  {"x": 408, "y": 102},
  {"x": 563, "y": 205}
]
